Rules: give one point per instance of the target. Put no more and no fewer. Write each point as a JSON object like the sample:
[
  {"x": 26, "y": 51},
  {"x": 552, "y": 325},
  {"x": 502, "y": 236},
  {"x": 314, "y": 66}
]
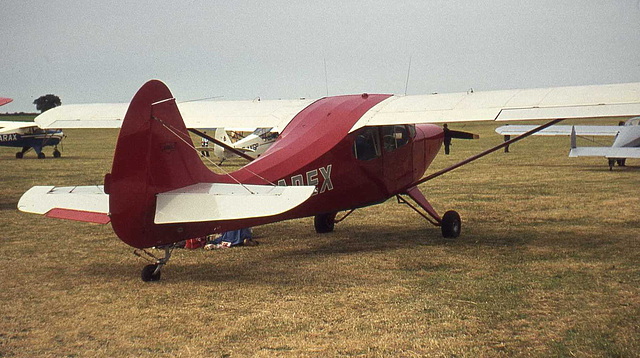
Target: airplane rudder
[{"x": 154, "y": 153}]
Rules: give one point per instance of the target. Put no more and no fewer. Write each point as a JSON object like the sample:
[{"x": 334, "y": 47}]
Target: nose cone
[{"x": 427, "y": 142}]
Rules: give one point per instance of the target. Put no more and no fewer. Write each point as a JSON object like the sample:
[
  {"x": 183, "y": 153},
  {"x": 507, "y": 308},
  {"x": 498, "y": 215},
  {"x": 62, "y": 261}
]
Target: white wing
[
  {"x": 7, "y": 126},
  {"x": 560, "y": 130},
  {"x": 203, "y": 114},
  {"x": 608, "y": 152},
  {"x": 618, "y": 100}
]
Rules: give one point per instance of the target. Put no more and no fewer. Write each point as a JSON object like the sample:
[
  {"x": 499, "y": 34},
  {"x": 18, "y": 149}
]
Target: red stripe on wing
[{"x": 78, "y": 215}]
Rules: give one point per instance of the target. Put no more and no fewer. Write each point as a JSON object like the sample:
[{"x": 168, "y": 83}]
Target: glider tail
[{"x": 154, "y": 154}]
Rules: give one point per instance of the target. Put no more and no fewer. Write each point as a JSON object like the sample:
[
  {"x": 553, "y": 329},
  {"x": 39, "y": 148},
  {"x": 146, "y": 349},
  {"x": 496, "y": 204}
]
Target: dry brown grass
[{"x": 547, "y": 265}]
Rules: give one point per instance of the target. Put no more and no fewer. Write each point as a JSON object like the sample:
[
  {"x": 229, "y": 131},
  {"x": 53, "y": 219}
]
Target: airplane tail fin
[
  {"x": 160, "y": 191},
  {"x": 154, "y": 154},
  {"x": 221, "y": 135}
]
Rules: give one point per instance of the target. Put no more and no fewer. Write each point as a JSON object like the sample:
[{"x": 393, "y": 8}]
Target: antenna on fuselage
[
  {"x": 406, "y": 85},
  {"x": 326, "y": 81}
]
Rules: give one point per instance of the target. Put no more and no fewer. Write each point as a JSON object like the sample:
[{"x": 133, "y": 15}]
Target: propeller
[{"x": 449, "y": 134}]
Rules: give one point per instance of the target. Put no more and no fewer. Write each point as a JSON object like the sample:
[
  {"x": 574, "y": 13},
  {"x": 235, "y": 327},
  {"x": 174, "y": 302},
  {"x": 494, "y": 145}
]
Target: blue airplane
[{"x": 28, "y": 135}]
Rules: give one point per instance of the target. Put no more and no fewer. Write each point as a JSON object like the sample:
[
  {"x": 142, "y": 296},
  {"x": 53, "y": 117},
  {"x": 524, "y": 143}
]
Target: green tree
[{"x": 46, "y": 102}]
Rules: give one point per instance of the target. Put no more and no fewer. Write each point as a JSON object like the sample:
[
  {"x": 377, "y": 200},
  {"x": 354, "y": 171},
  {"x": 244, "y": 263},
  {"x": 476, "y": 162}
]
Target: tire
[
  {"x": 19, "y": 155},
  {"x": 451, "y": 225},
  {"x": 148, "y": 273},
  {"x": 41, "y": 155},
  {"x": 324, "y": 223},
  {"x": 56, "y": 154}
]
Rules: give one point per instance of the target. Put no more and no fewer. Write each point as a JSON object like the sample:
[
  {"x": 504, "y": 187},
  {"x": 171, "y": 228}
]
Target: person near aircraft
[
  {"x": 205, "y": 144},
  {"x": 447, "y": 138},
  {"x": 240, "y": 237}
]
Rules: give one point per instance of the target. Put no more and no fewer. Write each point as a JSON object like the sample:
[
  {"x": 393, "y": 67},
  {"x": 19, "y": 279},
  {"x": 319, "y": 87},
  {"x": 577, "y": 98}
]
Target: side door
[{"x": 397, "y": 156}]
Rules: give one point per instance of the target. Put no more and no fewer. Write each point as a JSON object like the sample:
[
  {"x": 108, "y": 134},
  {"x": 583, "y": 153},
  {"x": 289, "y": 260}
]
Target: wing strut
[
  {"x": 223, "y": 145},
  {"x": 486, "y": 152}
]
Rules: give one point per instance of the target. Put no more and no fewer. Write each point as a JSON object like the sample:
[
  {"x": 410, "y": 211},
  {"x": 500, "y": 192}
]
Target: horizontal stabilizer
[
  {"x": 560, "y": 130},
  {"x": 608, "y": 152},
  {"x": 80, "y": 203},
  {"x": 216, "y": 202}
]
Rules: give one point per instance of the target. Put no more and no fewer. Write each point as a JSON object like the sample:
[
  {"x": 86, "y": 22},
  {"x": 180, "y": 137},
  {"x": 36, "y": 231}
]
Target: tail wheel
[
  {"x": 451, "y": 225},
  {"x": 150, "y": 273},
  {"x": 324, "y": 223}
]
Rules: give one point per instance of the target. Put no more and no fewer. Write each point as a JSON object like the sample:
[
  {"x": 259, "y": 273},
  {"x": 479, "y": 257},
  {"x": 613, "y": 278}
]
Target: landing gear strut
[
  {"x": 450, "y": 223},
  {"x": 152, "y": 272}
]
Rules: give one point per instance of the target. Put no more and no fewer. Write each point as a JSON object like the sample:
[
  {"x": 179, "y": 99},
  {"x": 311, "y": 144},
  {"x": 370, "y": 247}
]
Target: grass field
[{"x": 548, "y": 265}]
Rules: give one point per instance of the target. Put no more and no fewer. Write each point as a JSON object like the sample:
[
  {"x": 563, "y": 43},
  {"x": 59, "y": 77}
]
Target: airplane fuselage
[
  {"x": 329, "y": 157},
  {"x": 19, "y": 140},
  {"x": 349, "y": 170}
]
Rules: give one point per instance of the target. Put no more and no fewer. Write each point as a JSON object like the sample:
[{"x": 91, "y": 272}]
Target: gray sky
[{"x": 90, "y": 51}]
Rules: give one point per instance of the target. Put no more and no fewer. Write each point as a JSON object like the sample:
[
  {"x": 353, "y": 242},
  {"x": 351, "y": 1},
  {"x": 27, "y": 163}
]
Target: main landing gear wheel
[
  {"x": 324, "y": 223},
  {"x": 151, "y": 273},
  {"x": 56, "y": 154},
  {"x": 451, "y": 225},
  {"x": 19, "y": 155},
  {"x": 41, "y": 155}
]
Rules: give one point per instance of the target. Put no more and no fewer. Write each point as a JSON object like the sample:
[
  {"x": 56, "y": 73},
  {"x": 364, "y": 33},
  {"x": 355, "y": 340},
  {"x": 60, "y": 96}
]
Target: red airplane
[
  {"x": 336, "y": 154},
  {"x": 4, "y": 101}
]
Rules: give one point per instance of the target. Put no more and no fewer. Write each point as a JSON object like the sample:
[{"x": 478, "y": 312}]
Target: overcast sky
[{"x": 90, "y": 51}]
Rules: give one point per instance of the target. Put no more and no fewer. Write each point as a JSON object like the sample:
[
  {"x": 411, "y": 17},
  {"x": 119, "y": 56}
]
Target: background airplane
[
  {"x": 27, "y": 135},
  {"x": 253, "y": 144},
  {"x": 626, "y": 143},
  {"x": 4, "y": 100},
  {"x": 335, "y": 154}
]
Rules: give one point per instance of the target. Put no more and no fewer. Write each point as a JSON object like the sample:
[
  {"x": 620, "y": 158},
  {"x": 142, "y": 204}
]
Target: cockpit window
[
  {"x": 265, "y": 133},
  {"x": 367, "y": 144},
  {"x": 394, "y": 137},
  {"x": 635, "y": 121},
  {"x": 412, "y": 130}
]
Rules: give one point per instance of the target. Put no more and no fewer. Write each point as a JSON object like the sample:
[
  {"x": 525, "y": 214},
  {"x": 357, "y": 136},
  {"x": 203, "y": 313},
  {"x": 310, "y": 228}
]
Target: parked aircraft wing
[
  {"x": 202, "y": 114},
  {"x": 80, "y": 203},
  {"x": 6, "y": 126},
  {"x": 617, "y": 100},
  {"x": 560, "y": 130},
  {"x": 608, "y": 152},
  {"x": 215, "y": 201}
]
